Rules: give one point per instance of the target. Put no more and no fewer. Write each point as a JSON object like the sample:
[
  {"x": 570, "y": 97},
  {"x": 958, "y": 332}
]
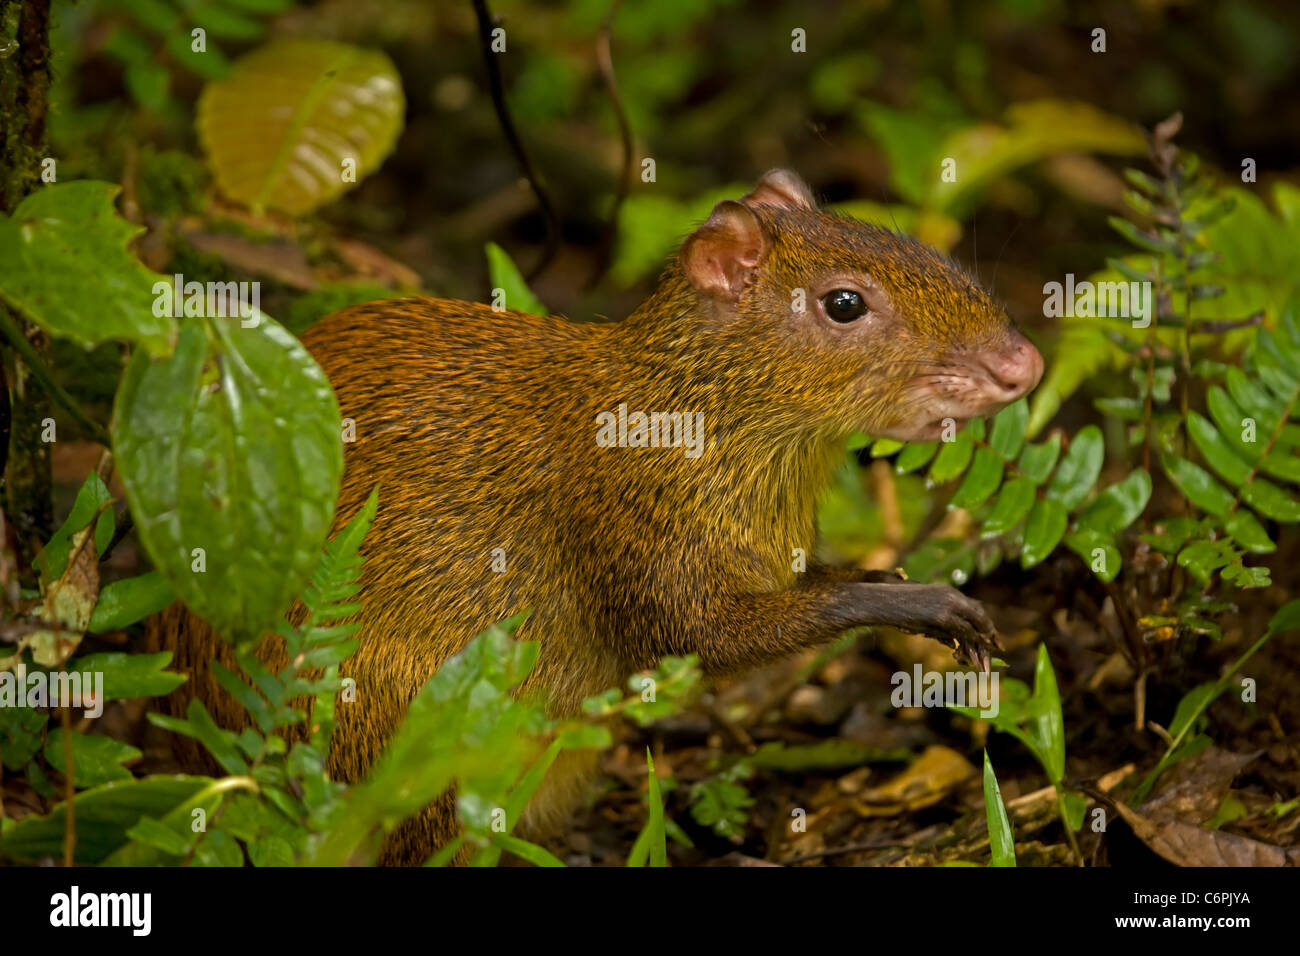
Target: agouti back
[{"x": 777, "y": 329}]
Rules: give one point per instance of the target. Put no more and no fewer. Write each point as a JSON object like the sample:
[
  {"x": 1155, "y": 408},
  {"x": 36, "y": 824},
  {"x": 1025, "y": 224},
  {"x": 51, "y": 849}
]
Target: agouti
[{"x": 776, "y": 330}]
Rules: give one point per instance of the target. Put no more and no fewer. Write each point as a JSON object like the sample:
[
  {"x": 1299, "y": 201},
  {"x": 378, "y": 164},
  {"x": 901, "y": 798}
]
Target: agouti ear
[
  {"x": 783, "y": 189},
  {"x": 720, "y": 257}
]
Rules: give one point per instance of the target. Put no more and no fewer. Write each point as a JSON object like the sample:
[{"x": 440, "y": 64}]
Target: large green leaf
[
  {"x": 64, "y": 265},
  {"x": 103, "y": 815},
  {"x": 281, "y": 127},
  {"x": 231, "y": 446}
]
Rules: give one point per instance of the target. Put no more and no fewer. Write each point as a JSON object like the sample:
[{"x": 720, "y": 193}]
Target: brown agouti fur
[{"x": 480, "y": 428}]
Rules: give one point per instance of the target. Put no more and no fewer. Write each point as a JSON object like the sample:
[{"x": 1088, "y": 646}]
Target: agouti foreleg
[{"x": 743, "y": 631}]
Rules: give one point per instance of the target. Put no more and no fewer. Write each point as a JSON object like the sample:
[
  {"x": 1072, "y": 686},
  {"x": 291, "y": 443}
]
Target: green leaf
[
  {"x": 517, "y": 802},
  {"x": 1254, "y": 399},
  {"x": 1043, "y": 532},
  {"x": 1203, "y": 558},
  {"x": 1086, "y": 542},
  {"x": 1271, "y": 501},
  {"x": 1248, "y": 532},
  {"x": 220, "y": 742},
  {"x": 1012, "y": 504},
  {"x": 248, "y": 698},
  {"x": 1286, "y": 618},
  {"x": 67, "y": 268},
  {"x": 103, "y": 816},
  {"x": 1047, "y": 726},
  {"x": 155, "y": 849},
  {"x": 981, "y": 481},
  {"x": 466, "y": 727},
  {"x": 123, "y": 603},
  {"x": 1232, "y": 423},
  {"x": 159, "y": 836},
  {"x": 1008, "y": 433},
  {"x": 914, "y": 456},
  {"x": 96, "y": 759},
  {"x": 227, "y": 24},
  {"x": 280, "y": 131},
  {"x": 1037, "y": 461},
  {"x": 270, "y": 851},
  {"x": 1118, "y": 506},
  {"x": 1198, "y": 485},
  {"x": 1244, "y": 576},
  {"x": 1031, "y": 130},
  {"x": 22, "y": 731},
  {"x": 231, "y": 446},
  {"x": 1002, "y": 842},
  {"x": 1143, "y": 240},
  {"x": 505, "y": 275},
  {"x": 209, "y": 64},
  {"x": 129, "y": 675},
  {"x": 953, "y": 458},
  {"x": 91, "y": 498},
  {"x": 148, "y": 83},
  {"x": 534, "y": 854},
  {"x": 1128, "y": 271},
  {"x": 1221, "y": 455},
  {"x": 652, "y": 844},
  {"x": 1079, "y": 469},
  {"x": 1171, "y": 534}
]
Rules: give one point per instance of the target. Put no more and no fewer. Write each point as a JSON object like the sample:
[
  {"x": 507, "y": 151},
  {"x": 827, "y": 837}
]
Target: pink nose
[{"x": 1014, "y": 369}]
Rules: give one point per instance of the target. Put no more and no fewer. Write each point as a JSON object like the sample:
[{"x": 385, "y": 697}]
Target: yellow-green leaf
[{"x": 299, "y": 121}]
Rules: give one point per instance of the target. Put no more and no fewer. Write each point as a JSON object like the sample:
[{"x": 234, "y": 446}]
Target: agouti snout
[{"x": 779, "y": 329}]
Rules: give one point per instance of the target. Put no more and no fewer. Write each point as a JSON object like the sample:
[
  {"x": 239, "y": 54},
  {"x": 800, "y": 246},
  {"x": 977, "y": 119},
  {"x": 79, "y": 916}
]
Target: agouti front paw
[{"x": 951, "y": 618}]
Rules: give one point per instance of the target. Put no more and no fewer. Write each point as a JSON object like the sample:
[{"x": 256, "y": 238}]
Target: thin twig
[
  {"x": 605, "y": 59},
  {"x": 69, "y": 790},
  {"x": 486, "y": 24}
]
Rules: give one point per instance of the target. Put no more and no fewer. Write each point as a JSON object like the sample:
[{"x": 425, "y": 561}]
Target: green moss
[{"x": 170, "y": 183}]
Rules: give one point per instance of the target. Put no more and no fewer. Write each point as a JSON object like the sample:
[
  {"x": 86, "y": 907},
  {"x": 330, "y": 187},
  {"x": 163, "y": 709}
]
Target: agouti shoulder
[{"x": 641, "y": 485}]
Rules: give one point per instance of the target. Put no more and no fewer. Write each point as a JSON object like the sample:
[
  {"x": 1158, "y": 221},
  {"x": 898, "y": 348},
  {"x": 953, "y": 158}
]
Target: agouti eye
[{"x": 844, "y": 305}]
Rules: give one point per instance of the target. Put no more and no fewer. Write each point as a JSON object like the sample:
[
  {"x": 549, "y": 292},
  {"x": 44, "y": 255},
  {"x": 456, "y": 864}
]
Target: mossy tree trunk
[{"x": 24, "y": 105}]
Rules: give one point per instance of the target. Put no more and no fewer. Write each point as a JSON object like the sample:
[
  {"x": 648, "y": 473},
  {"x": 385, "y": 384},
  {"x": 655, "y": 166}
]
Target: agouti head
[{"x": 883, "y": 334}]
